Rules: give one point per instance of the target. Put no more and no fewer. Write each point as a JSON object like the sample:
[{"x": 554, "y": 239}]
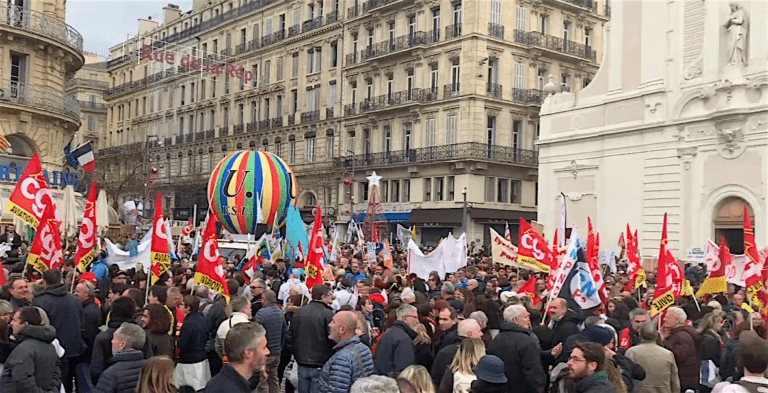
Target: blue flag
[
  {"x": 70, "y": 158},
  {"x": 294, "y": 231}
]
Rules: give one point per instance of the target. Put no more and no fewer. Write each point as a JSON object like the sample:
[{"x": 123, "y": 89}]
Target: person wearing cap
[
  {"x": 586, "y": 367},
  {"x": 6, "y": 311},
  {"x": 120, "y": 277},
  {"x": 490, "y": 375}
]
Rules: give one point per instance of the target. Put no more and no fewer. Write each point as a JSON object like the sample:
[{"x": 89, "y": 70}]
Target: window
[
  {"x": 450, "y": 185},
  {"x": 350, "y": 144},
  {"x": 587, "y": 37},
  {"x": 411, "y": 26},
  {"x": 406, "y": 190},
  {"x": 294, "y": 101},
  {"x": 540, "y": 78},
  {"x": 318, "y": 59},
  {"x": 502, "y": 191},
  {"x": 192, "y": 92},
  {"x": 181, "y": 126},
  {"x": 329, "y": 145},
  {"x": 265, "y": 71},
  {"x": 427, "y": 189},
  {"x": 450, "y": 133},
  {"x": 566, "y": 31},
  {"x": 370, "y": 39},
  {"x": 332, "y": 94},
  {"x": 280, "y": 68},
  {"x": 310, "y": 143},
  {"x": 495, "y": 12},
  {"x": 241, "y": 114},
  {"x": 520, "y": 17},
  {"x": 91, "y": 123},
  {"x": 455, "y": 75},
  {"x": 387, "y": 140},
  {"x": 310, "y": 61},
  {"x": 292, "y": 149},
  {"x": 279, "y": 106},
  {"x": 436, "y": 24},
  {"x": 278, "y": 146},
  {"x": 516, "y": 191},
  {"x": 439, "y": 183},
  {"x": 564, "y": 81},
  {"x": 183, "y": 94},
  {"x": 267, "y": 112},
  {"x": 430, "y": 134},
  {"x": 295, "y": 65},
  {"x": 395, "y": 190},
  {"x": 519, "y": 76},
  {"x": 433, "y": 77},
  {"x": 366, "y": 142},
  {"x": 490, "y": 183},
  {"x": 544, "y": 24},
  {"x": 457, "y": 14},
  {"x": 491, "y": 128},
  {"x": 517, "y": 132},
  {"x": 334, "y": 61},
  {"x": 384, "y": 197},
  {"x": 407, "y": 138}
]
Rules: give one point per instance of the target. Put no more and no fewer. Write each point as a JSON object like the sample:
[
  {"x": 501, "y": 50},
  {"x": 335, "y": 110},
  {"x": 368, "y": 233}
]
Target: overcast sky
[{"x": 105, "y": 23}]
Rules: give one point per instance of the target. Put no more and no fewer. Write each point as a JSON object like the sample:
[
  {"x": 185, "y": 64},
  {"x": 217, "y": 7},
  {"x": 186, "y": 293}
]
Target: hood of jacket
[
  {"x": 128, "y": 355},
  {"x": 45, "y": 333},
  {"x": 596, "y": 379},
  {"x": 57, "y": 290}
]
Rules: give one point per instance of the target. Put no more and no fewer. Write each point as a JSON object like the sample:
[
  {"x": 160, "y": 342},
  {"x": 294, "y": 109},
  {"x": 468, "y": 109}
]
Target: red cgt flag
[
  {"x": 756, "y": 271},
  {"x": 45, "y": 252},
  {"x": 529, "y": 289},
  {"x": 188, "y": 228},
  {"x": 716, "y": 281},
  {"x": 669, "y": 278},
  {"x": 31, "y": 195},
  {"x": 160, "y": 259},
  {"x": 592, "y": 256},
  {"x": 532, "y": 250},
  {"x": 209, "y": 271},
  {"x": 314, "y": 262},
  {"x": 86, "y": 242}
]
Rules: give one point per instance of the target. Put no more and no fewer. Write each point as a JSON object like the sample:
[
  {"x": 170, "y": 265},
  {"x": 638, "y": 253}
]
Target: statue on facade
[{"x": 737, "y": 27}]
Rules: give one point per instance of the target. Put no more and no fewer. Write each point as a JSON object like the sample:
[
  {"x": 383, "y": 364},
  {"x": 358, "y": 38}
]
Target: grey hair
[
  {"x": 132, "y": 333},
  {"x": 408, "y": 295},
  {"x": 513, "y": 311},
  {"x": 678, "y": 312},
  {"x": 238, "y": 302},
  {"x": 466, "y": 325},
  {"x": 89, "y": 288},
  {"x": 269, "y": 295},
  {"x": 448, "y": 287},
  {"x": 648, "y": 331},
  {"x": 479, "y": 316},
  {"x": 635, "y": 312},
  {"x": 174, "y": 290},
  {"x": 242, "y": 336},
  {"x": 404, "y": 310},
  {"x": 261, "y": 283},
  {"x": 375, "y": 383}
]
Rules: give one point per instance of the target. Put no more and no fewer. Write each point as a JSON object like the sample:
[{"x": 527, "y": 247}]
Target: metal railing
[
  {"x": 292, "y": 119},
  {"x": 224, "y": 131},
  {"x": 240, "y": 48},
  {"x": 458, "y": 151},
  {"x": 210, "y": 134},
  {"x": 131, "y": 148},
  {"x": 238, "y": 129},
  {"x": 273, "y": 38},
  {"x": 332, "y": 17},
  {"x": 44, "y": 24},
  {"x": 277, "y": 122},
  {"x": 199, "y": 136},
  {"x": 354, "y": 11},
  {"x": 312, "y": 24},
  {"x": 93, "y": 106},
  {"x": 329, "y": 113},
  {"x": 188, "y": 138},
  {"x": 453, "y": 31},
  {"x": 251, "y": 127},
  {"x": 451, "y": 90},
  {"x": 535, "y": 38},
  {"x": 589, "y": 4},
  {"x": 395, "y": 45},
  {"x": 607, "y": 11},
  {"x": 398, "y": 98},
  {"x": 309, "y": 117},
  {"x": 168, "y": 141},
  {"x": 496, "y": 30},
  {"x": 351, "y": 59},
  {"x": 350, "y": 110},
  {"x": 373, "y": 4},
  {"x": 533, "y": 96},
  {"x": 39, "y": 96},
  {"x": 263, "y": 125},
  {"x": 87, "y": 82},
  {"x": 294, "y": 30},
  {"x": 494, "y": 90}
]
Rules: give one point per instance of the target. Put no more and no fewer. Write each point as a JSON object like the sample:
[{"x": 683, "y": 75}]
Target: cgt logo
[{"x": 532, "y": 243}]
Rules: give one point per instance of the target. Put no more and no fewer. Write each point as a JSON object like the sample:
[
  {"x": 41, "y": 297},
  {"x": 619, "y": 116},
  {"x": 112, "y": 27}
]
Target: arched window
[{"x": 19, "y": 146}]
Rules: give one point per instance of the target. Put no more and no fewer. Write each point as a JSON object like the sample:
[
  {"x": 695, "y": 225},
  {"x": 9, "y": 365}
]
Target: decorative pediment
[{"x": 575, "y": 168}]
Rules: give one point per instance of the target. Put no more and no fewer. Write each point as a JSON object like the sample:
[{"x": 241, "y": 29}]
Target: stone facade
[
  {"x": 87, "y": 87},
  {"x": 665, "y": 127},
  {"x": 436, "y": 96}
]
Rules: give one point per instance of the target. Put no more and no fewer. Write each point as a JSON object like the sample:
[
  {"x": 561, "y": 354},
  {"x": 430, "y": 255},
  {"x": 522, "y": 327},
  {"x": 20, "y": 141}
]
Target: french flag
[{"x": 84, "y": 155}]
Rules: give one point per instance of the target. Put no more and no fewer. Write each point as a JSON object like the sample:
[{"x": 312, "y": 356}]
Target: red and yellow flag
[
  {"x": 209, "y": 271},
  {"x": 634, "y": 267},
  {"x": 756, "y": 271},
  {"x": 45, "y": 252},
  {"x": 533, "y": 251},
  {"x": 669, "y": 277},
  {"x": 86, "y": 242},
  {"x": 160, "y": 259},
  {"x": 716, "y": 281},
  {"x": 31, "y": 195},
  {"x": 314, "y": 265},
  {"x": 593, "y": 255}
]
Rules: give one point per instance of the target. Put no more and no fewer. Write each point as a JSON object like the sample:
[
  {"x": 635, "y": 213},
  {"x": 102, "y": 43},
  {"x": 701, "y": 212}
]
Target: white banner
[
  {"x": 448, "y": 257},
  {"x": 735, "y": 271}
]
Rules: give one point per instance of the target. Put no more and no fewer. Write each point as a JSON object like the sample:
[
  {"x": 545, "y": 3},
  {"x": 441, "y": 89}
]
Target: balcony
[
  {"x": 188, "y": 138},
  {"x": 354, "y": 11},
  {"x": 398, "y": 98},
  {"x": 294, "y": 30},
  {"x": 238, "y": 129},
  {"x": 168, "y": 141},
  {"x": 277, "y": 122},
  {"x": 93, "y": 106},
  {"x": 263, "y": 125},
  {"x": 273, "y": 38},
  {"x": 292, "y": 119},
  {"x": 309, "y": 117},
  {"x": 459, "y": 151},
  {"x": 225, "y": 53},
  {"x": 396, "y": 45},
  {"x": 496, "y": 30},
  {"x": 312, "y": 24},
  {"x": 254, "y": 44},
  {"x": 588, "y": 4},
  {"x": 329, "y": 113},
  {"x": 251, "y": 127},
  {"x": 535, "y": 38},
  {"x": 75, "y": 82},
  {"x": 224, "y": 131},
  {"x": 451, "y": 90},
  {"x": 349, "y": 110},
  {"x": 494, "y": 90},
  {"x": 199, "y": 136},
  {"x": 38, "y": 96},
  {"x": 452, "y": 31},
  {"x": 37, "y": 22},
  {"x": 240, "y": 48},
  {"x": 374, "y": 4},
  {"x": 332, "y": 17},
  {"x": 351, "y": 59},
  {"x": 210, "y": 134},
  {"x": 531, "y": 96}
]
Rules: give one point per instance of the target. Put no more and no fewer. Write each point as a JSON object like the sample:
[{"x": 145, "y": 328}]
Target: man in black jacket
[
  {"x": 468, "y": 328},
  {"x": 309, "y": 337},
  {"x": 123, "y": 375},
  {"x": 447, "y": 321},
  {"x": 246, "y": 349},
  {"x": 564, "y": 324},
  {"x": 66, "y": 315},
  {"x": 85, "y": 293},
  {"x": 396, "y": 349},
  {"x": 520, "y": 351}
]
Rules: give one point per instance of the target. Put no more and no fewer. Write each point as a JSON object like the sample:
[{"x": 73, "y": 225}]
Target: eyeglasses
[
  {"x": 577, "y": 359},
  {"x": 257, "y": 288}
]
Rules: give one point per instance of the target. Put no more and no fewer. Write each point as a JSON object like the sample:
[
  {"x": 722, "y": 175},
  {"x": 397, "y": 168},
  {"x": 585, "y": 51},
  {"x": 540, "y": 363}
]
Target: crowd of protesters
[{"x": 373, "y": 328}]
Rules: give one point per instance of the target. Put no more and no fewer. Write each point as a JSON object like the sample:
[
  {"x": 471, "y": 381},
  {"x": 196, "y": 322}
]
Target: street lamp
[{"x": 464, "y": 211}]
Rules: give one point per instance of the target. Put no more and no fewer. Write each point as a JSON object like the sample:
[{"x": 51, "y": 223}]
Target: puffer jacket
[
  {"x": 396, "y": 349},
  {"x": 685, "y": 342},
  {"x": 33, "y": 364},
  {"x": 277, "y": 329},
  {"x": 351, "y": 360},
  {"x": 309, "y": 334},
  {"x": 521, "y": 353},
  {"x": 192, "y": 338},
  {"x": 123, "y": 375},
  {"x": 101, "y": 358},
  {"x": 66, "y": 315}
]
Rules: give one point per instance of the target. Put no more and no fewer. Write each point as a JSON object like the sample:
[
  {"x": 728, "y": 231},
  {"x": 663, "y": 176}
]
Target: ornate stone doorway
[{"x": 729, "y": 222}]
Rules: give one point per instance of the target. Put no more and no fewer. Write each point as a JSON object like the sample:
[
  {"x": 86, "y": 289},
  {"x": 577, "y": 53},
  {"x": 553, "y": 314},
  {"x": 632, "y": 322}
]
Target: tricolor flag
[
  {"x": 209, "y": 272},
  {"x": 84, "y": 156},
  {"x": 86, "y": 242},
  {"x": 159, "y": 257}
]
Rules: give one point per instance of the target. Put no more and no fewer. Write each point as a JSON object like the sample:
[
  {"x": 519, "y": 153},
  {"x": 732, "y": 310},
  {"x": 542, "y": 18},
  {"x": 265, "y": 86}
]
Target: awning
[
  {"x": 447, "y": 217},
  {"x": 391, "y": 217},
  {"x": 499, "y": 215}
]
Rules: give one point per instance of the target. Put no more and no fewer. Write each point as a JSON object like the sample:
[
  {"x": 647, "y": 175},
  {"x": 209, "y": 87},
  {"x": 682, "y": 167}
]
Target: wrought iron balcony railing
[
  {"x": 532, "y": 96},
  {"x": 210, "y": 134},
  {"x": 168, "y": 141},
  {"x": 92, "y": 106},
  {"x": 199, "y": 136},
  {"x": 21, "y": 18},
  {"x": 294, "y": 30},
  {"x": 398, "y": 98},
  {"x": 292, "y": 119},
  {"x": 312, "y": 24},
  {"x": 589, "y": 4},
  {"x": 238, "y": 129},
  {"x": 453, "y": 31},
  {"x": 311, "y": 116},
  {"x": 395, "y": 45},
  {"x": 276, "y": 122},
  {"x": 494, "y": 90},
  {"x": 263, "y": 125},
  {"x": 608, "y": 10},
  {"x": 354, "y": 11},
  {"x": 451, "y": 90},
  {"x": 373, "y": 4},
  {"x": 224, "y": 131},
  {"x": 332, "y": 17},
  {"x": 188, "y": 138},
  {"x": 88, "y": 83},
  {"x": 273, "y": 38},
  {"x": 350, "y": 109},
  {"x": 39, "y": 96},
  {"x": 459, "y": 151},
  {"x": 329, "y": 113},
  {"x": 535, "y": 38},
  {"x": 351, "y": 59},
  {"x": 240, "y": 48},
  {"x": 496, "y": 30},
  {"x": 252, "y": 127}
]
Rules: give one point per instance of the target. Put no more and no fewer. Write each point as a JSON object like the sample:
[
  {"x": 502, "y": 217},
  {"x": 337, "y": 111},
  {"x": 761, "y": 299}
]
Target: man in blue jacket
[
  {"x": 351, "y": 360},
  {"x": 272, "y": 319}
]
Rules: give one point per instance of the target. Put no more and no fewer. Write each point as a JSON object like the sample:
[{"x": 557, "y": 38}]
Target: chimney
[
  {"x": 146, "y": 25},
  {"x": 171, "y": 13}
]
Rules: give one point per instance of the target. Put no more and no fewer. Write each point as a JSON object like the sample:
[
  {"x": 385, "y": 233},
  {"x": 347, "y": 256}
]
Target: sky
[{"x": 105, "y": 23}]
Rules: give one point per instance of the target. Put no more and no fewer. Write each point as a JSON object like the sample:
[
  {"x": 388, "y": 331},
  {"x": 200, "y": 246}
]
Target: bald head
[
  {"x": 469, "y": 328},
  {"x": 343, "y": 326}
]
